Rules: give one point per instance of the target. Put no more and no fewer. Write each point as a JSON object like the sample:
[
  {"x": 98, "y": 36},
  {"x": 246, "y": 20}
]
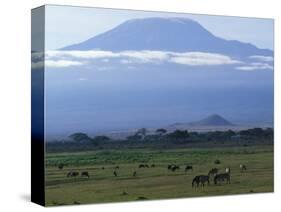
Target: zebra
[{"x": 222, "y": 177}]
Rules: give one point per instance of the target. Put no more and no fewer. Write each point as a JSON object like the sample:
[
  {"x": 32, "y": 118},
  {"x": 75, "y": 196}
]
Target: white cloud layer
[
  {"x": 63, "y": 59},
  {"x": 62, "y": 63},
  {"x": 60, "y": 58},
  {"x": 255, "y": 66},
  {"x": 55, "y": 64},
  {"x": 262, "y": 58},
  {"x": 200, "y": 58}
]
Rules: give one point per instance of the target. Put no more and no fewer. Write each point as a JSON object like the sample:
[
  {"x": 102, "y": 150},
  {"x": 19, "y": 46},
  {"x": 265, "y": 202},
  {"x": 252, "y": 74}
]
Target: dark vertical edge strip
[{"x": 37, "y": 106}]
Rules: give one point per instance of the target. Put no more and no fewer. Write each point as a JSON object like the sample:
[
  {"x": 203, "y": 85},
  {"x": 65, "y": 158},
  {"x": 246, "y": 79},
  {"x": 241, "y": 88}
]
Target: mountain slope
[
  {"x": 166, "y": 34},
  {"x": 212, "y": 120}
]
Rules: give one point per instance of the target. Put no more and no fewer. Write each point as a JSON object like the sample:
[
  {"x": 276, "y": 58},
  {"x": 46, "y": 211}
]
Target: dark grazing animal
[
  {"x": 200, "y": 179},
  {"x": 117, "y": 167},
  {"x": 170, "y": 167},
  {"x": 72, "y": 174},
  {"x": 60, "y": 166},
  {"x": 217, "y": 161},
  {"x": 141, "y": 166},
  {"x": 222, "y": 177},
  {"x": 152, "y": 165},
  {"x": 242, "y": 167},
  {"x": 196, "y": 181},
  {"x": 213, "y": 171},
  {"x": 203, "y": 179},
  {"x": 85, "y": 174},
  {"x": 115, "y": 173},
  {"x": 134, "y": 174},
  {"x": 188, "y": 168},
  {"x": 174, "y": 168}
]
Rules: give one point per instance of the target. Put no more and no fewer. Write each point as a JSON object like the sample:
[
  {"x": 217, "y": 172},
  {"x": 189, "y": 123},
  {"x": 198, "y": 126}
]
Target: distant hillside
[{"x": 212, "y": 120}]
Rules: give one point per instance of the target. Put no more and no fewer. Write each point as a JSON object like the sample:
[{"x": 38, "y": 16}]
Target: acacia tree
[
  {"x": 80, "y": 137},
  {"x": 161, "y": 131},
  {"x": 179, "y": 134}
]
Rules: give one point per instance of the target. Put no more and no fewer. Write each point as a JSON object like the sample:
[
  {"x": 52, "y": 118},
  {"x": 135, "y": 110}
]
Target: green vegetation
[
  {"x": 154, "y": 182},
  {"x": 161, "y": 139}
]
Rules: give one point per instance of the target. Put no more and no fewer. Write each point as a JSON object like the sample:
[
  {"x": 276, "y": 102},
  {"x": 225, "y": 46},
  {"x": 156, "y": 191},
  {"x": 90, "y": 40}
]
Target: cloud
[
  {"x": 60, "y": 58},
  {"x": 52, "y": 60},
  {"x": 201, "y": 58},
  {"x": 64, "y": 59},
  {"x": 255, "y": 66},
  {"x": 62, "y": 63},
  {"x": 262, "y": 58},
  {"x": 92, "y": 54},
  {"x": 147, "y": 56}
]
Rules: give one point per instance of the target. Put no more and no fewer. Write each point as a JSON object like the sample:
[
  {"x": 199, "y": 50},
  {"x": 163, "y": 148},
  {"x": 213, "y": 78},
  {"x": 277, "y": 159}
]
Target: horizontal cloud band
[
  {"x": 68, "y": 58},
  {"x": 57, "y": 59}
]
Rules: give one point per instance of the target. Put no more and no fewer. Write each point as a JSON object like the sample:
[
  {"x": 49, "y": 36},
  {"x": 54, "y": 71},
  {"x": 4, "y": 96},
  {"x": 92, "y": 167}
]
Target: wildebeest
[
  {"x": 213, "y": 171},
  {"x": 85, "y": 174},
  {"x": 102, "y": 168},
  {"x": 152, "y": 165},
  {"x": 242, "y": 167},
  {"x": 170, "y": 167},
  {"x": 134, "y": 174},
  {"x": 141, "y": 166},
  {"x": 222, "y": 177},
  {"x": 200, "y": 179},
  {"x": 188, "y": 168},
  {"x": 115, "y": 173},
  {"x": 174, "y": 168},
  {"x": 72, "y": 174},
  {"x": 217, "y": 161},
  {"x": 227, "y": 170},
  {"x": 60, "y": 166},
  {"x": 117, "y": 167},
  {"x": 76, "y": 203}
]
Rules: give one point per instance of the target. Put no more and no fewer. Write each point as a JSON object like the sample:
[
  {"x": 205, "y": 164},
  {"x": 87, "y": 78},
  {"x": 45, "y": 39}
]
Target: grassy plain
[{"x": 158, "y": 182}]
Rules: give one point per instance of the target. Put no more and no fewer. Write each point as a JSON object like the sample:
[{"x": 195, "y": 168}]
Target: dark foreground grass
[{"x": 157, "y": 182}]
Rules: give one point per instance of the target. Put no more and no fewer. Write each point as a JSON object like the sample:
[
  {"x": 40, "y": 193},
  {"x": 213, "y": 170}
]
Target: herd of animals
[{"x": 197, "y": 180}]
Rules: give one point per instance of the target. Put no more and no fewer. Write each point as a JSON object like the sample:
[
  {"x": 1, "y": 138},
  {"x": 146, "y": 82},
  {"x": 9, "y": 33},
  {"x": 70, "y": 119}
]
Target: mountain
[
  {"x": 167, "y": 34},
  {"x": 212, "y": 120}
]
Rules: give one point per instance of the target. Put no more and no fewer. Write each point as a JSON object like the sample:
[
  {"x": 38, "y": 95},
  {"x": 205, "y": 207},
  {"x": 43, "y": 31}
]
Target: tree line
[{"x": 162, "y": 138}]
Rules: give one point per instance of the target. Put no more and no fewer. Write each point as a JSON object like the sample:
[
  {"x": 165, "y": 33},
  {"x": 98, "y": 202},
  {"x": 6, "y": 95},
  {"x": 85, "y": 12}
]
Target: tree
[
  {"x": 179, "y": 134},
  {"x": 229, "y": 133},
  {"x": 161, "y": 131},
  {"x": 80, "y": 137},
  {"x": 101, "y": 138},
  {"x": 134, "y": 138}
]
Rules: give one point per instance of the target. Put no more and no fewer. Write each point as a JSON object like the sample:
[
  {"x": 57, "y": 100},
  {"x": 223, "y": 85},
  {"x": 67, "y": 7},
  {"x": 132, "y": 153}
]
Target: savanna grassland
[{"x": 154, "y": 182}]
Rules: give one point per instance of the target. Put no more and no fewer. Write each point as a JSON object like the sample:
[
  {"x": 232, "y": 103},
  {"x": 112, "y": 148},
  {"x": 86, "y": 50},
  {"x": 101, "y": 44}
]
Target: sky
[
  {"x": 101, "y": 90},
  {"x": 67, "y": 25}
]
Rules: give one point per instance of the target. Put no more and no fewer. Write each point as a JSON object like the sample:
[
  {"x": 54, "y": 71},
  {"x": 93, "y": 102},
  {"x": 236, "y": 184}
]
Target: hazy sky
[{"x": 66, "y": 25}]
